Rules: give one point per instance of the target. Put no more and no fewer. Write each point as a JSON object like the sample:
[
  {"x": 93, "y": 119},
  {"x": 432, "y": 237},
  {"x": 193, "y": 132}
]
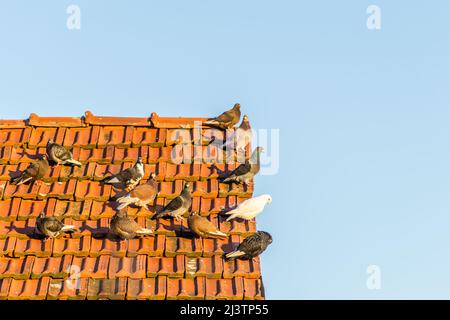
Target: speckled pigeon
[
  {"x": 35, "y": 171},
  {"x": 250, "y": 208},
  {"x": 245, "y": 171},
  {"x": 178, "y": 206},
  {"x": 126, "y": 228},
  {"x": 227, "y": 119},
  {"x": 252, "y": 246},
  {"x": 141, "y": 196},
  {"x": 129, "y": 178},
  {"x": 204, "y": 228},
  {"x": 60, "y": 155},
  {"x": 51, "y": 226}
]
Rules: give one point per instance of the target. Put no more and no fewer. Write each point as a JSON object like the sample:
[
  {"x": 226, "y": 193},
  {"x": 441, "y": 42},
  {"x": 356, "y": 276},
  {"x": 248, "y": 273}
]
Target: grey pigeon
[
  {"x": 227, "y": 119},
  {"x": 126, "y": 228},
  {"x": 51, "y": 226},
  {"x": 241, "y": 137},
  {"x": 60, "y": 155},
  {"x": 129, "y": 178},
  {"x": 204, "y": 228},
  {"x": 142, "y": 195},
  {"x": 35, "y": 171},
  {"x": 252, "y": 246},
  {"x": 245, "y": 171},
  {"x": 178, "y": 206}
]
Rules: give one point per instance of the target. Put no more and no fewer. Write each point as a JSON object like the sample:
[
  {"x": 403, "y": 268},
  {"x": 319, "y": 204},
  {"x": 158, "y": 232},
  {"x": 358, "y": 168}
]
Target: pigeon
[
  {"x": 35, "y": 171},
  {"x": 250, "y": 208},
  {"x": 252, "y": 246},
  {"x": 142, "y": 195},
  {"x": 126, "y": 228},
  {"x": 60, "y": 155},
  {"x": 227, "y": 119},
  {"x": 241, "y": 137},
  {"x": 129, "y": 178},
  {"x": 246, "y": 171},
  {"x": 204, "y": 228},
  {"x": 51, "y": 226},
  {"x": 178, "y": 206}
]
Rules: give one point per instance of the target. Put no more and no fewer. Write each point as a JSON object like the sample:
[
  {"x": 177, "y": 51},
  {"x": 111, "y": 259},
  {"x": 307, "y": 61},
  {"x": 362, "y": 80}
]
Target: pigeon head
[
  {"x": 139, "y": 160},
  {"x": 153, "y": 176},
  {"x": 266, "y": 236},
  {"x": 259, "y": 150},
  {"x": 41, "y": 215},
  {"x": 245, "y": 118},
  {"x": 268, "y": 198},
  {"x": 187, "y": 185},
  {"x": 50, "y": 141},
  {"x": 122, "y": 214},
  {"x": 237, "y": 106},
  {"x": 44, "y": 157}
]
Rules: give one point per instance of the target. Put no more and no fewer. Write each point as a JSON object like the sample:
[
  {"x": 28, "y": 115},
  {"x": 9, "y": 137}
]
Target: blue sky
[{"x": 363, "y": 115}]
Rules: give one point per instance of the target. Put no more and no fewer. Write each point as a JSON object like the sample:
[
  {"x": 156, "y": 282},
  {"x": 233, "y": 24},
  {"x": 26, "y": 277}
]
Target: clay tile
[
  {"x": 165, "y": 266},
  {"x": 115, "y": 121},
  {"x": 225, "y": 289},
  {"x": 7, "y": 246},
  {"x": 174, "y": 122},
  {"x": 4, "y": 288},
  {"x": 190, "y": 247},
  {"x": 147, "y": 289},
  {"x": 99, "y": 289},
  {"x": 69, "y": 289},
  {"x": 193, "y": 289},
  {"x": 107, "y": 246},
  {"x": 17, "y": 268},
  {"x": 130, "y": 267},
  {"x": 211, "y": 267},
  {"x": 92, "y": 267},
  {"x": 71, "y": 246},
  {"x": 31, "y": 289},
  {"x": 253, "y": 289},
  {"x": 55, "y": 267},
  {"x": 149, "y": 137},
  {"x": 34, "y": 247},
  {"x": 38, "y": 121},
  {"x": 12, "y": 124}
]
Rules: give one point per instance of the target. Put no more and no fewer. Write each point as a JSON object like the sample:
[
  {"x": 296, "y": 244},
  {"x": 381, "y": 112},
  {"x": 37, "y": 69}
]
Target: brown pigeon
[
  {"x": 227, "y": 119},
  {"x": 252, "y": 246},
  {"x": 178, "y": 206},
  {"x": 246, "y": 171},
  {"x": 126, "y": 228},
  {"x": 241, "y": 137},
  {"x": 129, "y": 178},
  {"x": 51, "y": 226},
  {"x": 204, "y": 228},
  {"x": 60, "y": 155},
  {"x": 35, "y": 171},
  {"x": 141, "y": 196}
]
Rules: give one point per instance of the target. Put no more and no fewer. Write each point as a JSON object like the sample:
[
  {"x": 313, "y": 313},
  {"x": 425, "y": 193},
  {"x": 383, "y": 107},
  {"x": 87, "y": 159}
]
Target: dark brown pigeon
[
  {"x": 227, "y": 119},
  {"x": 126, "y": 228},
  {"x": 51, "y": 226},
  {"x": 35, "y": 171},
  {"x": 252, "y": 246}
]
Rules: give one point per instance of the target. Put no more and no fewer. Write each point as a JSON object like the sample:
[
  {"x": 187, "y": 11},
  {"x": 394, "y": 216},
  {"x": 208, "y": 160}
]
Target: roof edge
[{"x": 174, "y": 122}]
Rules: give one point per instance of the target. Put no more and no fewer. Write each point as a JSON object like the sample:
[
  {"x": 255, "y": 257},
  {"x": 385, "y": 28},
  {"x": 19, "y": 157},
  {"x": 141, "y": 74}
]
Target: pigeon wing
[
  {"x": 61, "y": 153},
  {"x": 173, "y": 205},
  {"x": 53, "y": 225}
]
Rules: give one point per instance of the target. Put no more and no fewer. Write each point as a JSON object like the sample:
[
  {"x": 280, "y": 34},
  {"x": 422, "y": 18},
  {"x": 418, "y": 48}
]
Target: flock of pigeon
[{"x": 144, "y": 195}]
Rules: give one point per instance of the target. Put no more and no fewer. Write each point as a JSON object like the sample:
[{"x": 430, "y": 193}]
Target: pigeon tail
[
  {"x": 20, "y": 180},
  {"x": 144, "y": 231},
  {"x": 218, "y": 234},
  {"x": 111, "y": 180},
  {"x": 123, "y": 203},
  {"x": 234, "y": 254},
  {"x": 68, "y": 228},
  {"x": 74, "y": 162}
]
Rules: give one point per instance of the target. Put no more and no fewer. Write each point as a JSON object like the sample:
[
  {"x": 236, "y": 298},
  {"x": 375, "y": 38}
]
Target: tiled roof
[{"x": 91, "y": 265}]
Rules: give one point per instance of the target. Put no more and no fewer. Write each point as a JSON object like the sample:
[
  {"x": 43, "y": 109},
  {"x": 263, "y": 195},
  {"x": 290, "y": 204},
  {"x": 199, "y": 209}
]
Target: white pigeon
[{"x": 250, "y": 208}]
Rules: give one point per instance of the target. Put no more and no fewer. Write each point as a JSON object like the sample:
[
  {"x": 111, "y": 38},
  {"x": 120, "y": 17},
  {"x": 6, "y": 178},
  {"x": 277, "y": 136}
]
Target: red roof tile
[{"x": 90, "y": 264}]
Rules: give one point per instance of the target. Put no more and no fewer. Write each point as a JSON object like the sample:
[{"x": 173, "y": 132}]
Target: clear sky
[{"x": 364, "y": 176}]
